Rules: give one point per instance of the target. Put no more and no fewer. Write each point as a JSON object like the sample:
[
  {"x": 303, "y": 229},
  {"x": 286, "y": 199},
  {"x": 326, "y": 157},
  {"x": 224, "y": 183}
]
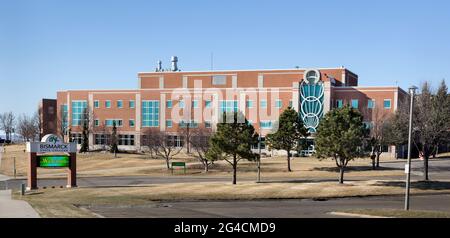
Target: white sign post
[{"x": 406, "y": 168}]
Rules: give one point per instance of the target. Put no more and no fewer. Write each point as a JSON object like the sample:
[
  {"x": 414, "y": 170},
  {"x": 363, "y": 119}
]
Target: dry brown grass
[
  {"x": 65, "y": 202},
  {"x": 104, "y": 164}
]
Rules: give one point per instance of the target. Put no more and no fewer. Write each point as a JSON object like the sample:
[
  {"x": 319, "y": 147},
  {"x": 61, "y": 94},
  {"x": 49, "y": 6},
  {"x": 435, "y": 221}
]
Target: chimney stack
[{"x": 174, "y": 63}]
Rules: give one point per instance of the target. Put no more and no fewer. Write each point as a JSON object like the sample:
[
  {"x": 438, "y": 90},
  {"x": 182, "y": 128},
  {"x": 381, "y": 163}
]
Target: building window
[
  {"x": 169, "y": 123},
  {"x": 119, "y": 104},
  {"x": 77, "y": 137},
  {"x": 266, "y": 124},
  {"x": 312, "y": 76},
  {"x": 208, "y": 124},
  {"x": 126, "y": 139},
  {"x": 108, "y": 104},
  {"x": 371, "y": 104},
  {"x": 176, "y": 141},
  {"x": 263, "y": 103},
  {"x": 150, "y": 113},
  {"x": 191, "y": 124},
  {"x": 51, "y": 110},
  {"x": 169, "y": 103},
  {"x": 181, "y": 104},
  {"x": 195, "y": 104},
  {"x": 208, "y": 103},
  {"x": 355, "y": 103},
  {"x": 339, "y": 103},
  {"x": 219, "y": 80},
  {"x": 387, "y": 103},
  {"x": 110, "y": 122},
  {"x": 101, "y": 139},
  {"x": 64, "y": 118},
  {"x": 96, "y": 104},
  {"x": 228, "y": 106},
  {"x": 131, "y": 122},
  {"x": 249, "y": 104},
  {"x": 278, "y": 104},
  {"x": 131, "y": 104},
  {"x": 96, "y": 122},
  {"x": 78, "y": 112},
  {"x": 263, "y": 144},
  {"x": 291, "y": 104}
]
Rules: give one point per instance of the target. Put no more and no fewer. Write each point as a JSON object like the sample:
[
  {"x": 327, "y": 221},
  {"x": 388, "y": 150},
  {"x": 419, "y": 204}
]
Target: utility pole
[{"x": 412, "y": 91}]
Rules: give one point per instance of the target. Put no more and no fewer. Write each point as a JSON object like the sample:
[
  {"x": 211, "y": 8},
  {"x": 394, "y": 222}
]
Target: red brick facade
[{"x": 275, "y": 89}]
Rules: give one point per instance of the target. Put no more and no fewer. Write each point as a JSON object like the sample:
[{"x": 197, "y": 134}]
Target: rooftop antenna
[
  {"x": 212, "y": 61},
  {"x": 159, "y": 67}
]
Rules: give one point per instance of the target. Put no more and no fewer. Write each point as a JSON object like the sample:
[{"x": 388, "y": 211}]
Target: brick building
[{"x": 168, "y": 100}]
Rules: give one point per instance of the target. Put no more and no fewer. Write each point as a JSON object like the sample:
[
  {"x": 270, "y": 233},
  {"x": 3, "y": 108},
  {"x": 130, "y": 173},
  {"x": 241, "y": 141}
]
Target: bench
[{"x": 178, "y": 164}]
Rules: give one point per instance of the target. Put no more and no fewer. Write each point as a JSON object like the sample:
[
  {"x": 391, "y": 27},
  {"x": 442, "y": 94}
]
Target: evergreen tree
[
  {"x": 233, "y": 141},
  {"x": 441, "y": 106},
  {"x": 340, "y": 136},
  {"x": 289, "y": 134}
]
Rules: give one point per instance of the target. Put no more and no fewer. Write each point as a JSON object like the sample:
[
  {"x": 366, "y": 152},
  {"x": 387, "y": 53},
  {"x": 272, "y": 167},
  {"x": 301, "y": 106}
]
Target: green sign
[
  {"x": 179, "y": 164},
  {"x": 53, "y": 161}
]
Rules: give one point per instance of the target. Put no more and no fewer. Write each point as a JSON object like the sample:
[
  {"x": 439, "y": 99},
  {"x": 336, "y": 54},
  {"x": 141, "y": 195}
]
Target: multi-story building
[{"x": 168, "y": 100}]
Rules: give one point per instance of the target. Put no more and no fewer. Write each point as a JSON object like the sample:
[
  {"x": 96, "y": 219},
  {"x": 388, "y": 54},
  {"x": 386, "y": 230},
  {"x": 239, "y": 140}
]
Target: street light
[
  {"x": 258, "y": 162},
  {"x": 412, "y": 91}
]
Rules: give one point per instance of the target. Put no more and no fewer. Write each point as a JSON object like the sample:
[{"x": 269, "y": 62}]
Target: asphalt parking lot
[{"x": 295, "y": 208}]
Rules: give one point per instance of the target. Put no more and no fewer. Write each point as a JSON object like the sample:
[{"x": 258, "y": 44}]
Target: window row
[
  {"x": 119, "y": 104},
  {"x": 171, "y": 140},
  {"x": 354, "y": 103},
  {"x": 105, "y": 139},
  {"x": 110, "y": 122},
  {"x": 229, "y": 104}
]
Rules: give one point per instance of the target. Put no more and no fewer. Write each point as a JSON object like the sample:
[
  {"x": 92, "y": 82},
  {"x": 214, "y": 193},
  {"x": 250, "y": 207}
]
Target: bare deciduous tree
[
  {"x": 7, "y": 123},
  {"x": 28, "y": 127},
  {"x": 378, "y": 132},
  {"x": 63, "y": 126},
  {"x": 199, "y": 140},
  {"x": 161, "y": 145},
  {"x": 102, "y": 129},
  {"x": 430, "y": 121}
]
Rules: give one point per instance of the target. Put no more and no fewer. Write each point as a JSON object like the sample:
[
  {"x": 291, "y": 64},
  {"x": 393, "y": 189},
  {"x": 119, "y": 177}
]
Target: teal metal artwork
[{"x": 311, "y": 103}]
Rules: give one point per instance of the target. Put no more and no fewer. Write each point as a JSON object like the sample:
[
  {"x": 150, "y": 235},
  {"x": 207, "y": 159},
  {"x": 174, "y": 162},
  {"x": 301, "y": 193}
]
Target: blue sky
[{"x": 47, "y": 45}]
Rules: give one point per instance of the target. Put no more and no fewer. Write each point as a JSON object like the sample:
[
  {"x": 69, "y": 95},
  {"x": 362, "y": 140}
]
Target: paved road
[
  {"x": 295, "y": 208},
  {"x": 439, "y": 170}
]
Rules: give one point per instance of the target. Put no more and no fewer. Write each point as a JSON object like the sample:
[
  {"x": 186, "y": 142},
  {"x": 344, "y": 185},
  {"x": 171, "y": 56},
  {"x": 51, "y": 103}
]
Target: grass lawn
[
  {"x": 64, "y": 202},
  {"x": 399, "y": 213},
  {"x": 104, "y": 164}
]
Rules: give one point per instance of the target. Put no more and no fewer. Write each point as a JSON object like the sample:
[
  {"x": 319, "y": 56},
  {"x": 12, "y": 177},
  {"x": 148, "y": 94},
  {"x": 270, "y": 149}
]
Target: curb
[{"x": 355, "y": 215}]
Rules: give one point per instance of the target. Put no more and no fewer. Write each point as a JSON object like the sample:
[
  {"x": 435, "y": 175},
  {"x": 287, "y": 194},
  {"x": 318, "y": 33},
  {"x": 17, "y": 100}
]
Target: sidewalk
[{"x": 15, "y": 208}]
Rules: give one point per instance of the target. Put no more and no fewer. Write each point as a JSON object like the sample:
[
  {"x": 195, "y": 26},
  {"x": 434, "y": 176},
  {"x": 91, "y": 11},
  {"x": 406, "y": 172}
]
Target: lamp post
[
  {"x": 412, "y": 91},
  {"x": 258, "y": 162}
]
